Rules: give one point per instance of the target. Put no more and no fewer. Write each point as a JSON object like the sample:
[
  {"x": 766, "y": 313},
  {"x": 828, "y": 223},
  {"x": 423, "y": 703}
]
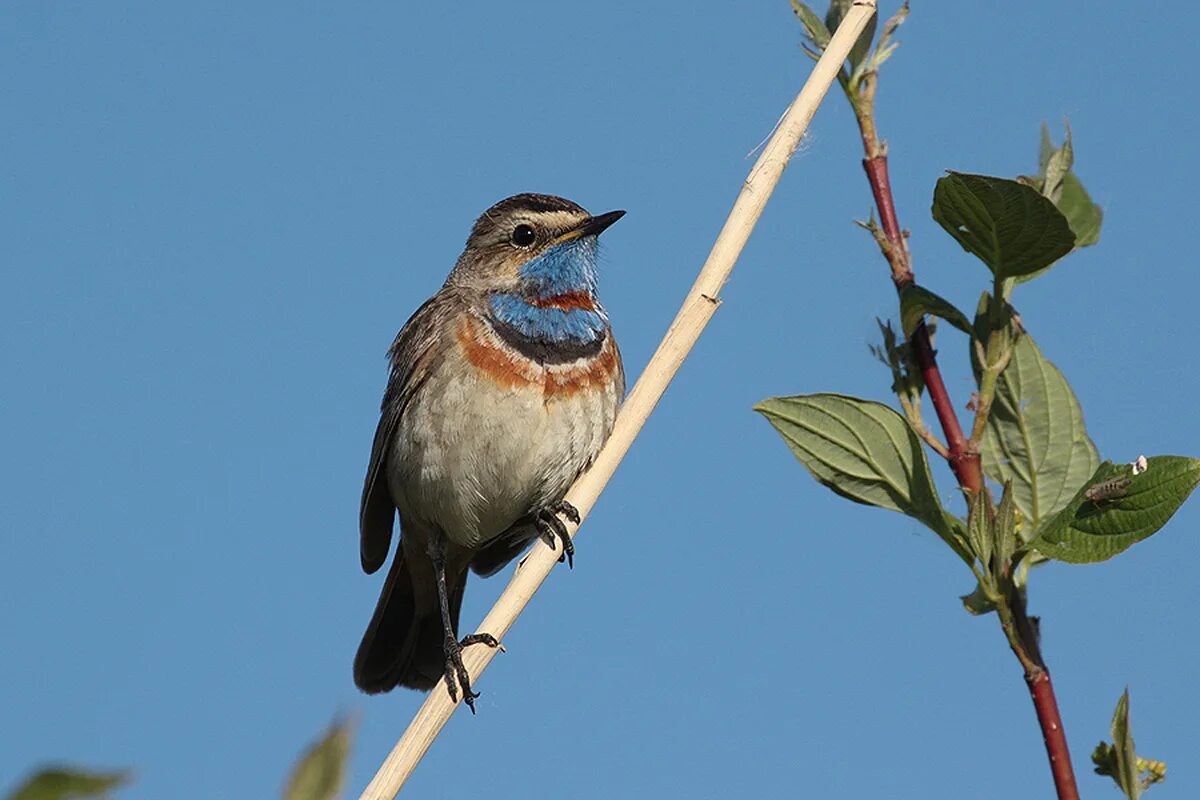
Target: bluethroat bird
[{"x": 504, "y": 385}]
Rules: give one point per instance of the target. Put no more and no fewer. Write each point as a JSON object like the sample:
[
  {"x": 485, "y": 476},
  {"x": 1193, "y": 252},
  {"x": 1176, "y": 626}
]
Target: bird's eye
[{"x": 523, "y": 236}]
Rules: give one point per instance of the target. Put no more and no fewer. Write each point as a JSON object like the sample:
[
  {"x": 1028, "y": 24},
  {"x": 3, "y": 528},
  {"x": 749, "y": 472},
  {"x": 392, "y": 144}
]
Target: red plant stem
[
  {"x": 1046, "y": 706},
  {"x": 881, "y": 187},
  {"x": 964, "y": 459},
  {"x": 968, "y": 469},
  {"x": 1024, "y": 640}
]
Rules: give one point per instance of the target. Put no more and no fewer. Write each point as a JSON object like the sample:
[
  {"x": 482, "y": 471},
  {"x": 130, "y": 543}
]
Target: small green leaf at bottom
[
  {"x": 1120, "y": 761},
  {"x": 69, "y": 783},
  {"x": 321, "y": 772},
  {"x": 1087, "y": 530}
]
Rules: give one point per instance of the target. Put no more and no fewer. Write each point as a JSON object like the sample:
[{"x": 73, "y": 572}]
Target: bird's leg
[
  {"x": 456, "y": 671},
  {"x": 553, "y": 531}
]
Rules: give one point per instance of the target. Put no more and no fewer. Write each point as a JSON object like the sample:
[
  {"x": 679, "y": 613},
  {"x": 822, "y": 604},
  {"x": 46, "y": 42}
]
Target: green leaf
[
  {"x": 917, "y": 301},
  {"x": 1057, "y": 182},
  {"x": 1085, "y": 531},
  {"x": 1056, "y": 169},
  {"x": 979, "y": 527},
  {"x": 1124, "y": 750},
  {"x": 1035, "y": 435},
  {"x": 1120, "y": 761},
  {"x": 858, "y": 53},
  {"x": 977, "y": 602},
  {"x": 882, "y": 54},
  {"x": 1062, "y": 186},
  {"x": 885, "y": 47},
  {"x": 865, "y": 452},
  {"x": 321, "y": 772},
  {"x": 981, "y": 328},
  {"x": 991, "y": 532},
  {"x": 1004, "y": 528},
  {"x": 1046, "y": 149},
  {"x": 67, "y": 783},
  {"x": 1006, "y": 224},
  {"x": 1084, "y": 216},
  {"x": 818, "y": 34}
]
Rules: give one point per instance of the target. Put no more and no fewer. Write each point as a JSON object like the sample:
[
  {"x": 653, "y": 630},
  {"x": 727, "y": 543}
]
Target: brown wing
[{"x": 412, "y": 355}]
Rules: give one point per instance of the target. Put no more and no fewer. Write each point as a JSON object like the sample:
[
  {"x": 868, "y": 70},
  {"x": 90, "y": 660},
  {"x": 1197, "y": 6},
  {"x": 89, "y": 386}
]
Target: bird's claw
[
  {"x": 567, "y": 510},
  {"x": 553, "y": 530},
  {"x": 456, "y": 671}
]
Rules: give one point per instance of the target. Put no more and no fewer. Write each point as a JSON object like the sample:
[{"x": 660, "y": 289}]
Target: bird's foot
[
  {"x": 456, "y": 672},
  {"x": 567, "y": 510},
  {"x": 553, "y": 531}
]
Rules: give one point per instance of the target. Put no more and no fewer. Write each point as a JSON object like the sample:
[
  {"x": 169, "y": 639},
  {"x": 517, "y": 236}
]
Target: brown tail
[{"x": 403, "y": 643}]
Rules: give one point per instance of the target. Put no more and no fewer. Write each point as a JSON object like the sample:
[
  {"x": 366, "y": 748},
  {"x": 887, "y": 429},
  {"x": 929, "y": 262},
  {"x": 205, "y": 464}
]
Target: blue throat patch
[
  {"x": 550, "y": 325},
  {"x": 563, "y": 269}
]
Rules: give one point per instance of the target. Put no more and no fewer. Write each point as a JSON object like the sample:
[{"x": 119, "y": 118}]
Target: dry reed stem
[{"x": 698, "y": 308}]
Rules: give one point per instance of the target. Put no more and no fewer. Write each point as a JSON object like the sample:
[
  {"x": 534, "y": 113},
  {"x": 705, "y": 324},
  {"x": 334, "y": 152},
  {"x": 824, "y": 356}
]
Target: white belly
[{"x": 470, "y": 457}]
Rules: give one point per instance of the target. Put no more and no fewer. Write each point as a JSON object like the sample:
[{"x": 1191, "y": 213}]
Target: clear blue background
[{"x": 214, "y": 218}]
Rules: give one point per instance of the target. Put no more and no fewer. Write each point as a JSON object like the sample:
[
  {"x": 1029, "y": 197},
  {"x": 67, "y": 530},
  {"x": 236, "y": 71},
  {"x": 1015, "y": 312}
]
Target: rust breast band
[{"x": 508, "y": 369}]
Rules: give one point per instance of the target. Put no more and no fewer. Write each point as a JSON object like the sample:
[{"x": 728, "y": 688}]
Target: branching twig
[
  {"x": 930, "y": 438},
  {"x": 963, "y": 457},
  {"x": 697, "y": 309},
  {"x": 963, "y": 453}
]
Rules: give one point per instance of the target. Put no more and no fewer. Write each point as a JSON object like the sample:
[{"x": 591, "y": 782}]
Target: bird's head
[{"x": 535, "y": 245}]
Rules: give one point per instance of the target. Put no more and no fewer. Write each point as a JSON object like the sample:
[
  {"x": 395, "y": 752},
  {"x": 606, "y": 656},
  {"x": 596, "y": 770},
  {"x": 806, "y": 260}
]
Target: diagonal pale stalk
[{"x": 698, "y": 308}]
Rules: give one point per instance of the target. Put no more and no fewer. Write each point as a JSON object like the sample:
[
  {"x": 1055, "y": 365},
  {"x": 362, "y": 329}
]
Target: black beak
[{"x": 593, "y": 226}]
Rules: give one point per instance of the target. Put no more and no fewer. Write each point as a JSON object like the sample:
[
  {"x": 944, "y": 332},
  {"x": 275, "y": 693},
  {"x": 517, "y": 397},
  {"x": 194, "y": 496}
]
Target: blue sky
[{"x": 214, "y": 218}]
